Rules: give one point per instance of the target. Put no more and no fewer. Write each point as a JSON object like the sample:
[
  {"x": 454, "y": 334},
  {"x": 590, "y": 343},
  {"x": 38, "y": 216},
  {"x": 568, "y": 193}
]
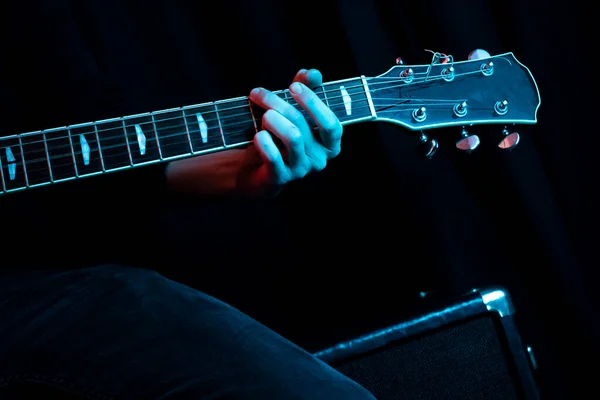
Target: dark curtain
[{"x": 349, "y": 249}]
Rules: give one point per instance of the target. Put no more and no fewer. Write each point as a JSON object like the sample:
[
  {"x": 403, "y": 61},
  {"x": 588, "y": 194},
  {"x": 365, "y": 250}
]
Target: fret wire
[
  {"x": 47, "y": 156},
  {"x": 229, "y": 108},
  {"x": 252, "y": 115},
  {"x": 290, "y": 101},
  {"x": 156, "y": 135},
  {"x": 72, "y": 152},
  {"x": 220, "y": 125},
  {"x": 325, "y": 95},
  {"x": 99, "y": 148},
  {"x": 219, "y": 118},
  {"x": 76, "y": 152},
  {"x": 368, "y": 94},
  {"x": 23, "y": 161},
  {"x": 187, "y": 131},
  {"x": 4, "y": 189},
  {"x": 127, "y": 142},
  {"x": 230, "y": 125},
  {"x": 226, "y": 126}
]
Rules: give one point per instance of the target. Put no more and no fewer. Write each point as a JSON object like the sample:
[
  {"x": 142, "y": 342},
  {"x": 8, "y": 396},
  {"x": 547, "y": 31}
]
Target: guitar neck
[
  {"x": 49, "y": 156},
  {"x": 494, "y": 90}
]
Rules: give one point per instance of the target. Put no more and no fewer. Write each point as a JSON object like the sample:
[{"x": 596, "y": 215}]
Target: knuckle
[
  {"x": 332, "y": 122},
  {"x": 300, "y": 172},
  {"x": 333, "y": 129},
  {"x": 301, "y": 168},
  {"x": 311, "y": 99},
  {"x": 297, "y": 119},
  {"x": 280, "y": 179},
  {"x": 319, "y": 163},
  {"x": 294, "y": 135},
  {"x": 332, "y": 141},
  {"x": 294, "y": 113},
  {"x": 335, "y": 151}
]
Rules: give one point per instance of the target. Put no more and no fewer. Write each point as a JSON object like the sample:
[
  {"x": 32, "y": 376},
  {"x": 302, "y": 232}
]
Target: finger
[
  {"x": 270, "y": 101},
  {"x": 311, "y": 78},
  {"x": 290, "y": 136},
  {"x": 301, "y": 76},
  {"x": 478, "y": 54},
  {"x": 331, "y": 128},
  {"x": 270, "y": 154}
]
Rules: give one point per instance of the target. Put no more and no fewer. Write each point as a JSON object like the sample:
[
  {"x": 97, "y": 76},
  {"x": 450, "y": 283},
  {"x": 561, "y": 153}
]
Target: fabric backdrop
[{"x": 349, "y": 249}]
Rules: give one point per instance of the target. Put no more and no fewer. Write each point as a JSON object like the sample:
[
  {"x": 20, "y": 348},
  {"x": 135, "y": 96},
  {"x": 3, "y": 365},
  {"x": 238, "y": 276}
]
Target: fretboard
[{"x": 48, "y": 156}]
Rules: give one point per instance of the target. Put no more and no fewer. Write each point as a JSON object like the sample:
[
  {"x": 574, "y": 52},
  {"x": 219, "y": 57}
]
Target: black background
[{"x": 348, "y": 249}]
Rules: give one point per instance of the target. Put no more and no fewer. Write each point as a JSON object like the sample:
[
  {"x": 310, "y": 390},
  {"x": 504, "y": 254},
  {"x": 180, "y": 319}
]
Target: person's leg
[{"x": 132, "y": 333}]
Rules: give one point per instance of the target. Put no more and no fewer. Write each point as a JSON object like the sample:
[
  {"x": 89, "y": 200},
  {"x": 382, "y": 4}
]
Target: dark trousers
[{"x": 119, "y": 332}]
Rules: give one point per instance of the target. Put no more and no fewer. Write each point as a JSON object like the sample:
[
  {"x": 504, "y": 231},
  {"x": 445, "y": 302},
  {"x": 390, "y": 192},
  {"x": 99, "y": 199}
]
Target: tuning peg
[
  {"x": 399, "y": 61},
  {"x": 441, "y": 58},
  {"x": 510, "y": 140},
  {"x": 468, "y": 142},
  {"x": 478, "y": 54},
  {"x": 501, "y": 107},
  {"x": 430, "y": 146}
]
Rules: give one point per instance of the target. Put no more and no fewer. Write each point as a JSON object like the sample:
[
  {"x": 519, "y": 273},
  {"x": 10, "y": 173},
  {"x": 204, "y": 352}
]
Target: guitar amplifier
[{"x": 468, "y": 349}]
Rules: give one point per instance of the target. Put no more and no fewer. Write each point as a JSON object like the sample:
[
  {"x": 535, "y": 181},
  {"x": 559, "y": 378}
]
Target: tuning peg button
[
  {"x": 487, "y": 69},
  {"x": 501, "y": 107},
  {"x": 478, "y": 54},
  {"x": 419, "y": 114},
  {"x": 399, "y": 61},
  {"x": 468, "y": 142},
  {"x": 430, "y": 146},
  {"x": 510, "y": 140},
  {"x": 407, "y": 75},
  {"x": 460, "y": 109},
  {"x": 448, "y": 74}
]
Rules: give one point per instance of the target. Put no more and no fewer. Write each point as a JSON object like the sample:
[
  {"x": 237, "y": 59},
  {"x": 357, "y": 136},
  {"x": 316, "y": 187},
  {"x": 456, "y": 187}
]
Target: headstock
[{"x": 490, "y": 90}]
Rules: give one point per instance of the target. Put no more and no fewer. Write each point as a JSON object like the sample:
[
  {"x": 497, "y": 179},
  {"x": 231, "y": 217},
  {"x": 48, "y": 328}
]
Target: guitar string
[
  {"x": 151, "y": 139},
  {"x": 185, "y": 142},
  {"x": 120, "y": 128},
  {"x": 397, "y": 108},
  {"x": 185, "y": 126},
  {"x": 403, "y": 84},
  {"x": 246, "y": 104},
  {"x": 19, "y": 173}
]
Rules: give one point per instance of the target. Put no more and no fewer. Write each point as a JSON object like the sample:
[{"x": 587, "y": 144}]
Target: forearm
[{"x": 212, "y": 174}]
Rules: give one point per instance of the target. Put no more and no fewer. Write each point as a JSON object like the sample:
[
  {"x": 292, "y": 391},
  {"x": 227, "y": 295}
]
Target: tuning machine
[
  {"x": 510, "y": 140},
  {"x": 429, "y": 145},
  {"x": 467, "y": 142}
]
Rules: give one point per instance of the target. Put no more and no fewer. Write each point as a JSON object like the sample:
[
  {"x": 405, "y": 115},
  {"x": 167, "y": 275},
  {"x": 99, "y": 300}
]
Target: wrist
[{"x": 209, "y": 175}]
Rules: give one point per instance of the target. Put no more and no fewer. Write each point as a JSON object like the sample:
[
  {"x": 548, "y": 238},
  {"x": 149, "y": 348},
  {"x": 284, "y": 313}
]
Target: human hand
[{"x": 267, "y": 166}]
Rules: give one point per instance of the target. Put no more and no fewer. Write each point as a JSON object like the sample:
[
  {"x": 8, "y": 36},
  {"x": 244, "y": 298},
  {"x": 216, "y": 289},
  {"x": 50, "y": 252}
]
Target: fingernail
[
  {"x": 255, "y": 91},
  {"x": 296, "y": 88}
]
